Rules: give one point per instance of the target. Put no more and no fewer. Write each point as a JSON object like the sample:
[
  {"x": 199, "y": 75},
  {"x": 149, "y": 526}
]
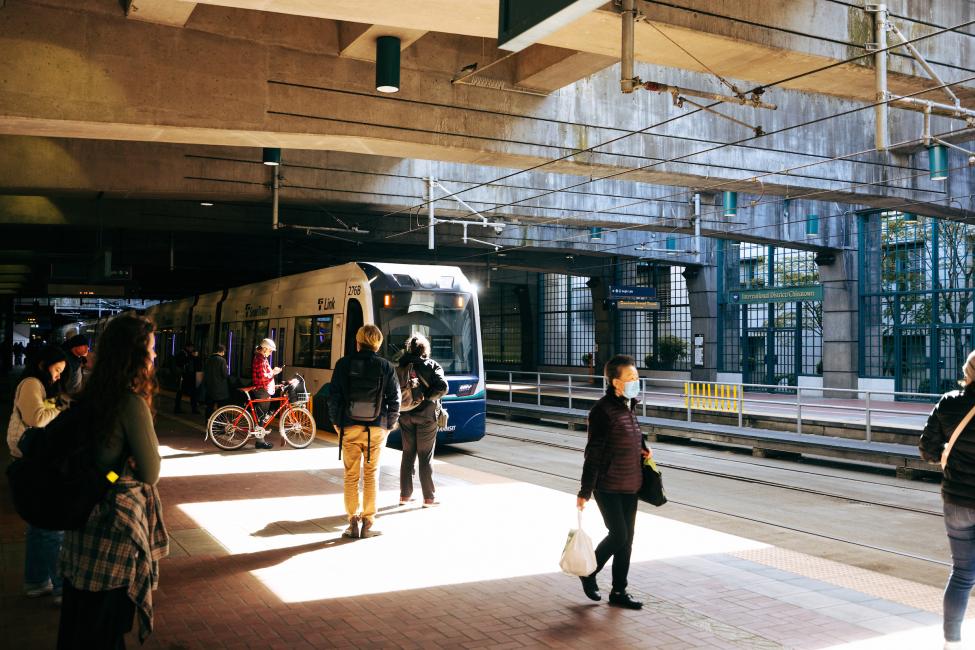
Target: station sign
[
  {"x": 776, "y": 295},
  {"x": 634, "y": 298}
]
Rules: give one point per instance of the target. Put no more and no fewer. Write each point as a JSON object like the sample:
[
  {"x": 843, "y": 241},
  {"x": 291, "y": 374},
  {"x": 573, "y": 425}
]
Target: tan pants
[{"x": 355, "y": 442}]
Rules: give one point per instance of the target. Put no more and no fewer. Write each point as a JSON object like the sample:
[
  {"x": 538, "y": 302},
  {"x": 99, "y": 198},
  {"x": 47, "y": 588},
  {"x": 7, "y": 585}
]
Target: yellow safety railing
[{"x": 711, "y": 397}]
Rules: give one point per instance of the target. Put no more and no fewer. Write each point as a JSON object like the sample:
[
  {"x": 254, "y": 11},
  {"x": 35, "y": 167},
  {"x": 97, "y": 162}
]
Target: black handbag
[{"x": 652, "y": 490}]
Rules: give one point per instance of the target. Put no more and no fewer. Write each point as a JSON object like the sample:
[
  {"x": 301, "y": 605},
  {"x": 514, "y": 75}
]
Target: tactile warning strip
[
  {"x": 690, "y": 618},
  {"x": 898, "y": 590}
]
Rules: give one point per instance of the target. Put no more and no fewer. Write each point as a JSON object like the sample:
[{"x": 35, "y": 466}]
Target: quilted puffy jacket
[{"x": 958, "y": 486}]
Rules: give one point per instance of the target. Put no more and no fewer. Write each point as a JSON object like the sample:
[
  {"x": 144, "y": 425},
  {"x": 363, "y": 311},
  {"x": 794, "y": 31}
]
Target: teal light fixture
[
  {"x": 730, "y": 204},
  {"x": 909, "y": 219},
  {"x": 938, "y": 162},
  {"x": 271, "y": 156},
  {"x": 812, "y": 225},
  {"x": 387, "y": 64},
  {"x": 595, "y": 232},
  {"x": 671, "y": 243}
]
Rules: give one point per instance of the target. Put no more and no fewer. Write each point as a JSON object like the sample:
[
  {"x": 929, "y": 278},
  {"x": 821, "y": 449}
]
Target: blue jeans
[
  {"x": 960, "y": 523},
  {"x": 41, "y": 557}
]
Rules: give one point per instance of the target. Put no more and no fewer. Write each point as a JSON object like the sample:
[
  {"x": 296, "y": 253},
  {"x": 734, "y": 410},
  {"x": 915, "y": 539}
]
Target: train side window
[{"x": 313, "y": 342}]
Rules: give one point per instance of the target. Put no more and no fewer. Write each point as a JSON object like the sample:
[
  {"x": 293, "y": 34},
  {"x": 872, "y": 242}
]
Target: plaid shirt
[
  {"x": 120, "y": 546},
  {"x": 261, "y": 374}
]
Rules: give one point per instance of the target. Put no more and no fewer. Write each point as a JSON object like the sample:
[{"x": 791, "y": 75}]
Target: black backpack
[
  {"x": 57, "y": 484},
  {"x": 364, "y": 402}
]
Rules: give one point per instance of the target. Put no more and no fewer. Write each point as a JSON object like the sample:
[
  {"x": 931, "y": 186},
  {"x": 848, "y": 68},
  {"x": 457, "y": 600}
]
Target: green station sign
[{"x": 776, "y": 294}]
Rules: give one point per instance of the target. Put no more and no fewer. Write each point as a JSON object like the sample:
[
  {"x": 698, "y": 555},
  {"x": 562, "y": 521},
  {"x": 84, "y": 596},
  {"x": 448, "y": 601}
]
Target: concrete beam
[
  {"x": 358, "y": 41},
  {"x": 732, "y": 38},
  {"x": 549, "y": 68},
  {"x": 173, "y": 13}
]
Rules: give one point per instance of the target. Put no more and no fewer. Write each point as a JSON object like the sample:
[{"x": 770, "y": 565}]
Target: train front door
[{"x": 278, "y": 332}]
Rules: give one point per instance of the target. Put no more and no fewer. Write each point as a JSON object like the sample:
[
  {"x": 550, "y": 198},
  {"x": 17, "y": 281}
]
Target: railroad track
[{"x": 508, "y": 463}]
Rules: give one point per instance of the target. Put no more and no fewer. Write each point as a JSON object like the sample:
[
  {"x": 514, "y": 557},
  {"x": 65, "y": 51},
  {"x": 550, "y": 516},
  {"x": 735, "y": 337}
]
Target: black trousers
[
  {"x": 187, "y": 386},
  {"x": 94, "y": 619},
  {"x": 619, "y": 516},
  {"x": 261, "y": 408}
]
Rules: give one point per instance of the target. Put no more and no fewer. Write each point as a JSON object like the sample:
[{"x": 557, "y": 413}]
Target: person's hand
[
  {"x": 646, "y": 453},
  {"x": 276, "y": 371},
  {"x": 581, "y": 503}
]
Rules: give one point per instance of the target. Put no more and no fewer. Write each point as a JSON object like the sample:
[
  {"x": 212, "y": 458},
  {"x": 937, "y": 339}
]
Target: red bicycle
[{"x": 230, "y": 427}]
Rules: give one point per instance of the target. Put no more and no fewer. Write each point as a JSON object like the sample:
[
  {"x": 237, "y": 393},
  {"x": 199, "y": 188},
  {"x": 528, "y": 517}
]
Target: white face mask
[{"x": 631, "y": 389}]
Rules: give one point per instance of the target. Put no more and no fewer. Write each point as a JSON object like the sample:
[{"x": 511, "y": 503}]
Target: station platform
[{"x": 258, "y": 561}]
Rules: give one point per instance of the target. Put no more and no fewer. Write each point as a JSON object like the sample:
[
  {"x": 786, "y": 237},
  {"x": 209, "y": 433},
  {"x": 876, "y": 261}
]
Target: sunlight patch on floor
[{"x": 481, "y": 532}]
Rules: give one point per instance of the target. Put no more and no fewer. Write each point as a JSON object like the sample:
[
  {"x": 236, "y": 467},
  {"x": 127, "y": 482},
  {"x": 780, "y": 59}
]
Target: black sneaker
[
  {"x": 590, "y": 587},
  {"x": 261, "y": 444},
  {"x": 623, "y": 599}
]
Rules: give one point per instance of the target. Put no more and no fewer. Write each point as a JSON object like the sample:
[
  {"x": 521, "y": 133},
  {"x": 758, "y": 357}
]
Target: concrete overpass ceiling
[{"x": 120, "y": 152}]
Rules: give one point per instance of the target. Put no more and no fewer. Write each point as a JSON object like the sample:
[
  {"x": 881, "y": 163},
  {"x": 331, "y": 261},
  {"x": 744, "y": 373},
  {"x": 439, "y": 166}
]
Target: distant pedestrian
[
  {"x": 111, "y": 565},
  {"x": 363, "y": 403},
  {"x": 422, "y": 384},
  {"x": 613, "y": 473},
  {"x": 188, "y": 363},
  {"x": 35, "y": 406},
  {"x": 215, "y": 378},
  {"x": 31, "y": 350},
  {"x": 262, "y": 378},
  {"x": 957, "y": 492},
  {"x": 76, "y": 351},
  {"x": 19, "y": 350}
]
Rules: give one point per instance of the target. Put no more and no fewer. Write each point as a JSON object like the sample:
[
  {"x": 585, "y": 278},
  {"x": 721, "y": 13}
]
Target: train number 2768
[{"x": 355, "y": 291}]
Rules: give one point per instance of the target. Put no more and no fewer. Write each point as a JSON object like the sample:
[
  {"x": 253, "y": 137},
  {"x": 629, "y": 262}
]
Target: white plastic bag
[{"x": 578, "y": 558}]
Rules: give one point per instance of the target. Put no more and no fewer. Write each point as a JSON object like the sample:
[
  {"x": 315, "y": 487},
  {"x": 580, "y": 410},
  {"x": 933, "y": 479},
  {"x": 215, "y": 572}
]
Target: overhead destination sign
[
  {"x": 776, "y": 295},
  {"x": 634, "y": 298},
  {"x": 525, "y": 22}
]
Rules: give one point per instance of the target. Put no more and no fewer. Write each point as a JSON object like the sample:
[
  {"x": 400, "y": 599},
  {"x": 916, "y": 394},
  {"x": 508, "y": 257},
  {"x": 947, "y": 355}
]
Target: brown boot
[
  {"x": 353, "y": 530},
  {"x": 368, "y": 530}
]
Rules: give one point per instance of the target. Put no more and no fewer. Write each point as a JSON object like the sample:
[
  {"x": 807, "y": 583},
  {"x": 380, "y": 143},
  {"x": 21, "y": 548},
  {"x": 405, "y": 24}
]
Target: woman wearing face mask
[{"x": 613, "y": 473}]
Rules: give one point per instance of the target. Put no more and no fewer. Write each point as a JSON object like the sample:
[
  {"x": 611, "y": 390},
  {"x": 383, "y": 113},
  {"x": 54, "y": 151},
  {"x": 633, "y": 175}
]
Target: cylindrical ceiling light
[
  {"x": 387, "y": 64},
  {"x": 271, "y": 156},
  {"x": 731, "y": 204},
  {"x": 812, "y": 225},
  {"x": 938, "y": 162}
]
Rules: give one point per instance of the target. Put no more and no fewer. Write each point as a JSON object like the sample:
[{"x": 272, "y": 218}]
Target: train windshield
[{"x": 445, "y": 318}]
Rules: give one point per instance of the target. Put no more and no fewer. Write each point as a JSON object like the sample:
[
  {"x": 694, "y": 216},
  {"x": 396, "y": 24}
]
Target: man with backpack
[
  {"x": 363, "y": 404},
  {"x": 422, "y": 384}
]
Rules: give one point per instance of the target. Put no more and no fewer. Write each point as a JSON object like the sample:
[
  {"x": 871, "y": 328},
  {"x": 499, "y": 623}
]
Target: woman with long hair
[
  {"x": 35, "y": 406},
  {"x": 957, "y": 493},
  {"x": 111, "y": 565}
]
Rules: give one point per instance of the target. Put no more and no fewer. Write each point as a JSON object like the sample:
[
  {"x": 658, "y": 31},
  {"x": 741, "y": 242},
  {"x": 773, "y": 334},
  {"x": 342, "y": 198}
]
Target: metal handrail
[{"x": 576, "y": 392}]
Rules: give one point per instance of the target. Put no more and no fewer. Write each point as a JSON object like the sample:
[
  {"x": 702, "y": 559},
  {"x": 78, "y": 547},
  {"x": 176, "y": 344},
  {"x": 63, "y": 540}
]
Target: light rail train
[{"x": 313, "y": 317}]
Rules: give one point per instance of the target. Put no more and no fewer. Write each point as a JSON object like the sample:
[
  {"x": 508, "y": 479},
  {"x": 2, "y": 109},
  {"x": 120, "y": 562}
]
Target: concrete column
[
  {"x": 838, "y": 275},
  {"x": 604, "y": 319},
  {"x": 527, "y": 309},
  {"x": 702, "y": 293}
]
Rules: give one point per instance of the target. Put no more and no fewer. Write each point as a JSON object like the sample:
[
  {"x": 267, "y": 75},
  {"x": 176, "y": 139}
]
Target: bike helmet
[{"x": 269, "y": 344}]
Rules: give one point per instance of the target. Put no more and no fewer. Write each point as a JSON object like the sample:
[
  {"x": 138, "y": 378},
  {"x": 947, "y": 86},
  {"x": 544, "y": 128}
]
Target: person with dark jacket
[
  {"x": 613, "y": 472},
  {"x": 360, "y": 441},
  {"x": 76, "y": 351},
  {"x": 215, "y": 378},
  {"x": 418, "y": 426},
  {"x": 188, "y": 363},
  {"x": 957, "y": 493}
]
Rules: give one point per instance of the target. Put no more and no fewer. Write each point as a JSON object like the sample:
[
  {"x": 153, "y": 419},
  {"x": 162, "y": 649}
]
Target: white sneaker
[
  {"x": 38, "y": 590},
  {"x": 953, "y": 645}
]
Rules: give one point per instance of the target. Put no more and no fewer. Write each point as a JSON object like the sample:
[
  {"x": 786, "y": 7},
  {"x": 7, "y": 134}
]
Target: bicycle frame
[{"x": 285, "y": 405}]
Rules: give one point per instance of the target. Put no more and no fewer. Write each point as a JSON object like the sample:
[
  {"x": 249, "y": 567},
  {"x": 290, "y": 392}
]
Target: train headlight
[
  {"x": 465, "y": 390},
  {"x": 388, "y": 300}
]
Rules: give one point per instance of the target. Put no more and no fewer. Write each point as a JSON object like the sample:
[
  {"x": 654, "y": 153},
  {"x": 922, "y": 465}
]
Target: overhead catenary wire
[
  {"x": 690, "y": 113},
  {"x": 727, "y": 182}
]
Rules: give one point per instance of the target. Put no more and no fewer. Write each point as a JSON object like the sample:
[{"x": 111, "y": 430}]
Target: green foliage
[{"x": 672, "y": 349}]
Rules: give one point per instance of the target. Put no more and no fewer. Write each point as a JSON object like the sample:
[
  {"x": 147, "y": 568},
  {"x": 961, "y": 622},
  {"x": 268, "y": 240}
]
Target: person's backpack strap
[{"x": 954, "y": 437}]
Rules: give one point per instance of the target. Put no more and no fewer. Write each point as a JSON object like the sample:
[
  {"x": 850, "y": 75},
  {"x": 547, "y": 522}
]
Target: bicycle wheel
[
  {"x": 230, "y": 427},
  {"x": 297, "y": 427}
]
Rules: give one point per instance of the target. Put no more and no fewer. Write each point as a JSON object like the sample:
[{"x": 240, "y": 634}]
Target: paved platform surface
[{"x": 258, "y": 561}]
